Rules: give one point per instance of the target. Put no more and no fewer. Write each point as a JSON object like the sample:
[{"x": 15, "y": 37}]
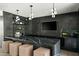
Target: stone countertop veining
[
  {"x": 15, "y": 39},
  {"x": 38, "y": 41},
  {"x": 34, "y": 39}
]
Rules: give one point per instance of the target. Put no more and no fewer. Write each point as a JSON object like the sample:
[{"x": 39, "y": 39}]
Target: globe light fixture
[
  {"x": 54, "y": 11},
  {"x": 31, "y": 13}
]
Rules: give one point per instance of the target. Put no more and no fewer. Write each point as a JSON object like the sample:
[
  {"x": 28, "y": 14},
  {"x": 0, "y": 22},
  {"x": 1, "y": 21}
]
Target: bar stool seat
[
  {"x": 41, "y": 52},
  {"x": 5, "y": 46},
  {"x": 14, "y": 48},
  {"x": 26, "y": 50}
]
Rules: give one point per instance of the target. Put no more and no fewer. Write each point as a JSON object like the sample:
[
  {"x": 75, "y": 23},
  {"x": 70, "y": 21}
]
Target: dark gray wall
[
  {"x": 8, "y": 27},
  {"x": 67, "y": 22},
  {"x": 37, "y": 26}
]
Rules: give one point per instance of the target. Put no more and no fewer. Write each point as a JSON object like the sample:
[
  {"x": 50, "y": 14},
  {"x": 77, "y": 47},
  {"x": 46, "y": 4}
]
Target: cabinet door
[
  {"x": 73, "y": 43},
  {"x": 78, "y": 44},
  {"x": 70, "y": 43}
]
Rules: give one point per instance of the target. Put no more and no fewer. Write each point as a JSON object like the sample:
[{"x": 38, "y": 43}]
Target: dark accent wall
[
  {"x": 8, "y": 27},
  {"x": 37, "y": 26},
  {"x": 9, "y": 18},
  {"x": 67, "y": 22}
]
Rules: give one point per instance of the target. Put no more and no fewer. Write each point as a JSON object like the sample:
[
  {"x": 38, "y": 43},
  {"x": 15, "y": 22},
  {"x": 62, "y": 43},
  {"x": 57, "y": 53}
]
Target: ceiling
[{"x": 39, "y": 9}]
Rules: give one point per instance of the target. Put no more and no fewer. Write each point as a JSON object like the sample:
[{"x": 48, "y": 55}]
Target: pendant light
[
  {"x": 17, "y": 17},
  {"x": 31, "y": 13},
  {"x": 54, "y": 12}
]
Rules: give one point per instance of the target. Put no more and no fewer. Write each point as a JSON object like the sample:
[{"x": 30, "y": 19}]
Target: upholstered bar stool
[
  {"x": 14, "y": 48},
  {"x": 41, "y": 52},
  {"x": 26, "y": 50},
  {"x": 5, "y": 45}
]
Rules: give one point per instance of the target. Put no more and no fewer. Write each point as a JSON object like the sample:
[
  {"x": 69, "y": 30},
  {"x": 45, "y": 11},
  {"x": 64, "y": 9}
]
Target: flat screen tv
[{"x": 49, "y": 25}]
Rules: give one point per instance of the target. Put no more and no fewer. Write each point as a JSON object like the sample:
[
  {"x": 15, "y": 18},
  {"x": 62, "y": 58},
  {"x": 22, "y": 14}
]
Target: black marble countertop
[
  {"x": 39, "y": 41},
  {"x": 51, "y": 40}
]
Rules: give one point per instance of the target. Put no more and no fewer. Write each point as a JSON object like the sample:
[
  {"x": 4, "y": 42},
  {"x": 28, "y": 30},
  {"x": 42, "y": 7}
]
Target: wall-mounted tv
[{"x": 49, "y": 25}]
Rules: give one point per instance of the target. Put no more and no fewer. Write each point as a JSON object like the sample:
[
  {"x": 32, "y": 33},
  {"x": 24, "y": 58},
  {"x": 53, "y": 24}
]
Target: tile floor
[{"x": 63, "y": 53}]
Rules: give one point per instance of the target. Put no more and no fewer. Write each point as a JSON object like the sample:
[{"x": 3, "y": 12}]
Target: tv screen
[{"x": 49, "y": 25}]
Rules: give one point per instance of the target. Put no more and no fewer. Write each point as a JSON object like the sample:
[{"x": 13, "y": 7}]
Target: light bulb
[
  {"x": 53, "y": 15},
  {"x": 52, "y": 10},
  {"x": 31, "y": 16},
  {"x": 17, "y": 18},
  {"x": 55, "y": 11},
  {"x": 21, "y": 23}
]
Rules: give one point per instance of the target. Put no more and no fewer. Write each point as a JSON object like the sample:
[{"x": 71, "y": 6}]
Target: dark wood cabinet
[
  {"x": 71, "y": 43},
  {"x": 78, "y": 44},
  {"x": 67, "y": 43}
]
